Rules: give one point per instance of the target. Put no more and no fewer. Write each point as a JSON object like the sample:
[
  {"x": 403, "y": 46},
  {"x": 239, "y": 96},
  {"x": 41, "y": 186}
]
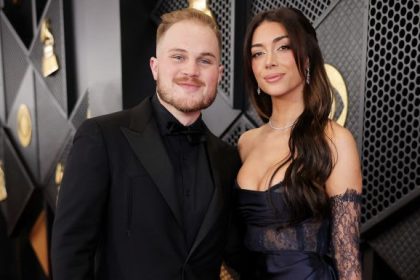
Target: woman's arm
[{"x": 344, "y": 187}]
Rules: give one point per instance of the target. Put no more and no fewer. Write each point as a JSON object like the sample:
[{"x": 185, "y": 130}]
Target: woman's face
[{"x": 273, "y": 62}]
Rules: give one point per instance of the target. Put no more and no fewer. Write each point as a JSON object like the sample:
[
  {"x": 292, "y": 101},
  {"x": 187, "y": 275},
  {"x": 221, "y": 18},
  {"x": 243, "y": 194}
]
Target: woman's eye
[
  {"x": 256, "y": 54},
  {"x": 283, "y": 48}
]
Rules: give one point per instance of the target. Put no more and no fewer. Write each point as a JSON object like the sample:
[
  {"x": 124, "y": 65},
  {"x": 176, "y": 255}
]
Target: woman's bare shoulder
[
  {"x": 346, "y": 173},
  {"x": 247, "y": 140}
]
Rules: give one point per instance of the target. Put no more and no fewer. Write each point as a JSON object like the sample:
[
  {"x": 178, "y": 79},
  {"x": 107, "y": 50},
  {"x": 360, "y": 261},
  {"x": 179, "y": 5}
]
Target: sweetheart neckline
[{"x": 272, "y": 188}]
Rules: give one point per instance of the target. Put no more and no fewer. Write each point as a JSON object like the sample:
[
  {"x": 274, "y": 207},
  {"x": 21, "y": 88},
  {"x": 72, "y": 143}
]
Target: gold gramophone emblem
[
  {"x": 3, "y": 191},
  {"x": 337, "y": 82},
  {"x": 201, "y": 5},
  {"x": 49, "y": 59},
  {"x": 24, "y": 125}
]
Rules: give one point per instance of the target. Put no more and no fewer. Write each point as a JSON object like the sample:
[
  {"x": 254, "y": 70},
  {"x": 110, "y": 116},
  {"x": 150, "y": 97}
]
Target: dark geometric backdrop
[{"x": 373, "y": 44}]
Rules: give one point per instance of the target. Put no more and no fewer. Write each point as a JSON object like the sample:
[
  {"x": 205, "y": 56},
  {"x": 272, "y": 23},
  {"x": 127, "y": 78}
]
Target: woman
[{"x": 300, "y": 182}]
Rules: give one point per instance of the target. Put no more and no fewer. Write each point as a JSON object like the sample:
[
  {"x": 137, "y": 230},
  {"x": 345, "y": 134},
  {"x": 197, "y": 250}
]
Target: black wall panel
[
  {"x": 374, "y": 44},
  {"x": 20, "y": 190},
  {"x": 138, "y": 44},
  {"x": 53, "y": 129},
  {"x": 399, "y": 245},
  {"x": 391, "y": 150},
  {"x": 342, "y": 38},
  {"x": 13, "y": 55},
  {"x": 56, "y": 83},
  {"x": 25, "y": 98}
]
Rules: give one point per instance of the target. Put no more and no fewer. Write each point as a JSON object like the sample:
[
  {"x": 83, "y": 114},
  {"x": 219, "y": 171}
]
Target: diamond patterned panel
[
  {"x": 26, "y": 95},
  {"x": 239, "y": 126},
  {"x": 253, "y": 115},
  {"x": 2, "y": 135},
  {"x": 80, "y": 111},
  {"x": 13, "y": 54},
  {"x": 57, "y": 81},
  {"x": 52, "y": 186},
  {"x": 53, "y": 128},
  {"x": 20, "y": 16},
  {"x": 2, "y": 105},
  {"x": 2, "y": 93},
  {"x": 18, "y": 184}
]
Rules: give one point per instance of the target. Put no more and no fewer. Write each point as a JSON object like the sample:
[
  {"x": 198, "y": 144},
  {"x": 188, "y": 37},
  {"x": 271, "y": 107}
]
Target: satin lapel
[
  {"x": 216, "y": 203},
  {"x": 146, "y": 142}
]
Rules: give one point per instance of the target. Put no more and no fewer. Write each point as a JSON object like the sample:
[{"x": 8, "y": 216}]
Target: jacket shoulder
[{"x": 112, "y": 119}]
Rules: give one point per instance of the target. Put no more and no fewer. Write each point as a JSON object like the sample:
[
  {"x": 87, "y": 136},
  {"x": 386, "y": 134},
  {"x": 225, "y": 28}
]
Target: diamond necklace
[{"x": 279, "y": 128}]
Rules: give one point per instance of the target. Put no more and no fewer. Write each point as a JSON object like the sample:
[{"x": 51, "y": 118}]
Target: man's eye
[
  {"x": 206, "y": 61},
  {"x": 178, "y": 57}
]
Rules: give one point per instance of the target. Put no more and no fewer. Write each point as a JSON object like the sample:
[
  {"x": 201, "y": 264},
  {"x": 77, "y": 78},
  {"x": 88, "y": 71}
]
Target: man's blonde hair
[{"x": 191, "y": 14}]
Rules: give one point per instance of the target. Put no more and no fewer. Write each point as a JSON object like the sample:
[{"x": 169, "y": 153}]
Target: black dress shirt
[{"x": 190, "y": 162}]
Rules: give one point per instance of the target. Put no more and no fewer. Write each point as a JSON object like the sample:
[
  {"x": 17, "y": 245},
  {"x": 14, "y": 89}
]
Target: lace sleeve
[{"x": 345, "y": 220}]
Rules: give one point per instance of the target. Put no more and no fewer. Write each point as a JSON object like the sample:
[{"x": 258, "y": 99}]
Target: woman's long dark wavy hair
[{"x": 310, "y": 155}]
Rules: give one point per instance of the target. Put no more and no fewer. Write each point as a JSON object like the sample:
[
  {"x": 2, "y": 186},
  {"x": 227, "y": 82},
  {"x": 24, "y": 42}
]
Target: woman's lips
[{"x": 273, "y": 77}]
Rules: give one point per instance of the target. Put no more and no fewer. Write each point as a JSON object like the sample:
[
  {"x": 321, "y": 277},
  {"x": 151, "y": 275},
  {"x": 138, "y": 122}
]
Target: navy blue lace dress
[{"x": 300, "y": 251}]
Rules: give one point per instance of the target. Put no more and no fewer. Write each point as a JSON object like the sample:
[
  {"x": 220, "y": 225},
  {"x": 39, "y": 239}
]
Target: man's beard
[{"x": 186, "y": 104}]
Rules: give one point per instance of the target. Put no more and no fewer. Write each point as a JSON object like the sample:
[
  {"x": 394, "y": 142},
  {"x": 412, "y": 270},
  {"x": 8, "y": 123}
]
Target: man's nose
[{"x": 191, "y": 69}]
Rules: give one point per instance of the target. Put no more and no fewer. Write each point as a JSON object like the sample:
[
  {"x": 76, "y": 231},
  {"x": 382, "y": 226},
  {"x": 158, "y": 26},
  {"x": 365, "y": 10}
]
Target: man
[{"x": 146, "y": 192}]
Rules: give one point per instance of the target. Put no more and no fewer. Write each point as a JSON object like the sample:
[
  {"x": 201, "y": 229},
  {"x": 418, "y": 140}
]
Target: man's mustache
[{"x": 189, "y": 80}]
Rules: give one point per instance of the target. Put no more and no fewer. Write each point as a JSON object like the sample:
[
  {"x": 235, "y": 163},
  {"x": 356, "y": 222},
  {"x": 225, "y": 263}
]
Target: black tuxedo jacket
[{"x": 117, "y": 205}]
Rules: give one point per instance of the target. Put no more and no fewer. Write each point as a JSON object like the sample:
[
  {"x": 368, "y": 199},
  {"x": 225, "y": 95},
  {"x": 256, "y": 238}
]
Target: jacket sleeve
[
  {"x": 80, "y": 206},
  {"x": 237, "y": 259}
]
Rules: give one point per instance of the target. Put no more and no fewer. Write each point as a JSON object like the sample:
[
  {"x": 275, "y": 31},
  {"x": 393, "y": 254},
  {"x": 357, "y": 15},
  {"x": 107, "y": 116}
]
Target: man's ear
[
  {"x": 221, "y": 70},
  {"x": 154, "y": 67}
]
